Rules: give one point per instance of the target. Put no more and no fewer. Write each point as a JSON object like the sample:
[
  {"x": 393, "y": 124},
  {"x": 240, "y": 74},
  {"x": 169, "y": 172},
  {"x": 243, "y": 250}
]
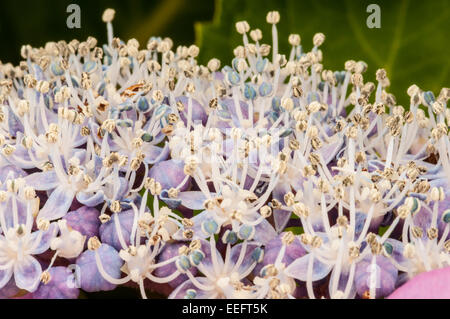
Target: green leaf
[
  {"x": 382, "y": 230},
  {"x": 412, "y": 43},
  {"x": 151, "y": 199},
  {"x": 295, "y": 230}
]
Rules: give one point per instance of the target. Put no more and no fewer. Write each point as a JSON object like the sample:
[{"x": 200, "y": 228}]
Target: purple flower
[
  {"x": 85, "y": 220},
  {"x": 193, "y": 108},
  {"x": 169, "y": 251},
  {"x": 123, "y": 222},
  {"x": 272, "y": 249},
  {"x": 170, "y": 174},
  {"x": 91, "y": 279},
  {"x": 381, "y": 274},
  {"x": 62, "y": 285}
]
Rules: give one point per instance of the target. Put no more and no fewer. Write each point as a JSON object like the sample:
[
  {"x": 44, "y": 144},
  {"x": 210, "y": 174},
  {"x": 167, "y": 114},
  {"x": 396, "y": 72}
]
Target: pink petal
[{"x": 429, "y": 285}]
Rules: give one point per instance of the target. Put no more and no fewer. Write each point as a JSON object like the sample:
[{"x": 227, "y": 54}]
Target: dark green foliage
[{"x": 412, "y": 44}]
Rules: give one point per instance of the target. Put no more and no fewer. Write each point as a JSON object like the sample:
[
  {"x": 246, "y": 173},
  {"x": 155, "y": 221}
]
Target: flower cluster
[{"x": 269, "y": 178}]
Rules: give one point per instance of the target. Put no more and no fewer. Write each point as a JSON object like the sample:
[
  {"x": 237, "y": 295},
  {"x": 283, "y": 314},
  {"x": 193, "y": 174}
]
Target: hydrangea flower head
[{"x": 267, "y": 177}]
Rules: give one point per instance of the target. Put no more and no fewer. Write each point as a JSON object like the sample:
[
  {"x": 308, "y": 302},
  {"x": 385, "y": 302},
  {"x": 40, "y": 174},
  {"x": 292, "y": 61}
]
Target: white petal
[
  {"x": 57, "y": 204},
  {"x": 264, "y": 232},
  {"x": 27, "y": 273},
  {"x": 43, "y": 181},
  {"x": 45, "y": 240},
  {"x": 192, "y": 200},
  {"x": 299, "y": 269}
]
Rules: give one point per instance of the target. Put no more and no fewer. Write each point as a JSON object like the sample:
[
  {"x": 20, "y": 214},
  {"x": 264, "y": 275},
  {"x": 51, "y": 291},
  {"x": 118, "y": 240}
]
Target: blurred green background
[
  {"x": 38, "y": 21},
  {"x": 412, "y": 43}
]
